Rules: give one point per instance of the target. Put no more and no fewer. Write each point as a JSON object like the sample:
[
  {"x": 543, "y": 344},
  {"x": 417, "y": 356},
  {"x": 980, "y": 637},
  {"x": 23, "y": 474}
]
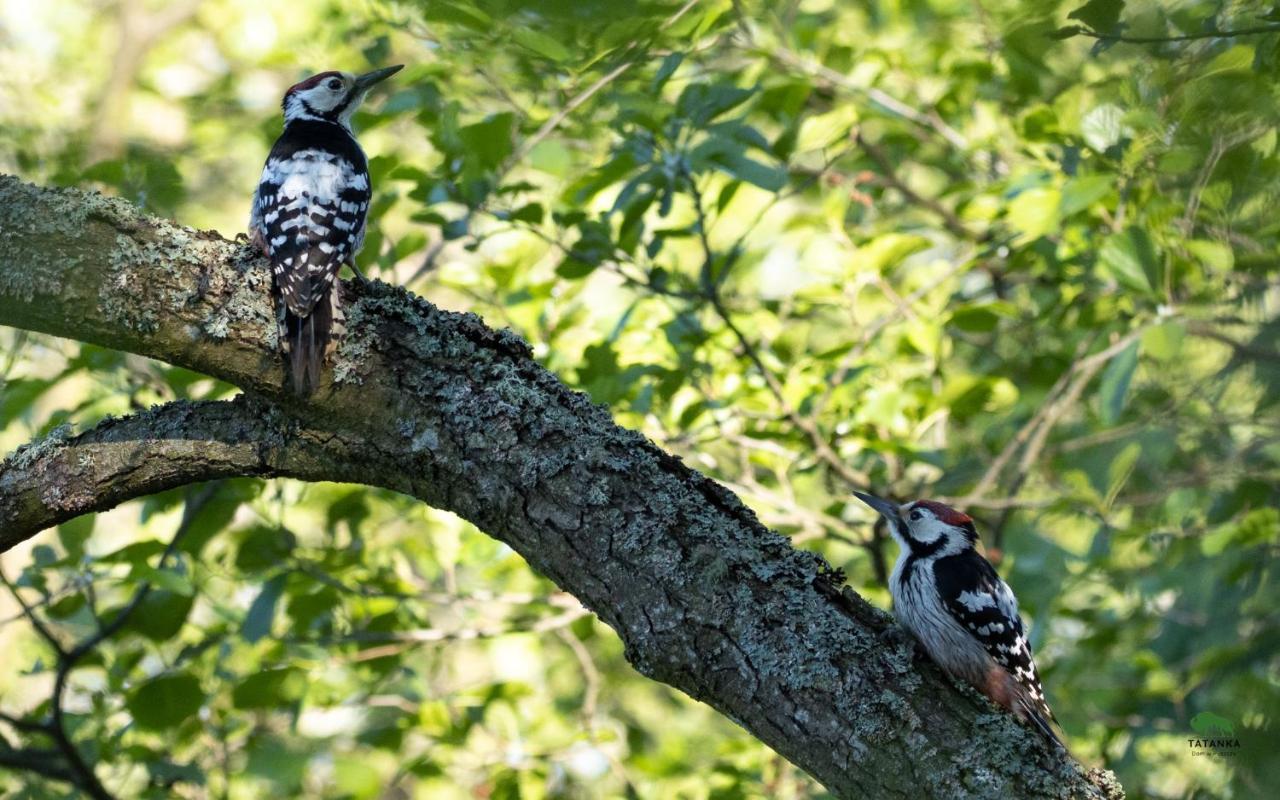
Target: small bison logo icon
[{"x": 1211, "y": 725}]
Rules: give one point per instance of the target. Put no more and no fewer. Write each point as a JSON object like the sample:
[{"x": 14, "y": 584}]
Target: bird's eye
[
  {"x": 335, "y": 84},
  {"x": 916, "y": 515}
]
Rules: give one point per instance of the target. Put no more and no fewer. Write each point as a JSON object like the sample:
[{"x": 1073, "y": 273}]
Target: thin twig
[
  {"x": 1080, "y": 30},
  {"x": 23, "y": 724},
  {"x": 590, "y": 679},
  {"x": 1247, "y": 350},
  {"x": 1084, "y": 372},
  {"x": 997, "y": 465},
  {"x": 879, "y": 97},
  {"x": 390, "y": 643},
  {"x": 78, "y": 770},
  {"x": 556, "y": 119},
  {"x": 30, "y": 614},
  {"x": 41, "y": 762},
  {"x": 710, "y": 285},
  {"x": 875, "y": 328},
  {"x": 890, "y": 176}
]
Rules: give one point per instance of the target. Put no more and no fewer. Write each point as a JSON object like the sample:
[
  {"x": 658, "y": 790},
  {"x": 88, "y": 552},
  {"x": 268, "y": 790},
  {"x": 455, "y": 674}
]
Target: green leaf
[
  {"x": 489, "y": 142},
  {"x": 134, "y": 553},
  {"x": 1215, "y": 255},
  {"x": 355, "y": 777},
  {"x": 1034, "y": 212},
  {"x": 887, "y": 251},
  {"x": 66, "y": 606},
  {"x": 1128, "y": 257},
  {"x": 1101, "y": 15},
  {"x": 17, "y": 395},
  {"x": 75, "y": 533},
  {"x": 1080, "y": 193},
  {"x": 161, "y": 614},
  {"x": 541, "y": 44},
  {"x": 257, "y": 623},
  {"x": 668, "y": 67},
  {"x": 1120, "y": 469},
  {"x": 163, "y": 578},
  {"x": 1104, "y": 127},
  {"x": 574, "y": 269},
  {"x": 165, "y": 702},
  {"x": 264, "y": 547},
  {"x": 531, "y": 213},
  {"x": 822, "y": 130},
  {"x": 277, "y": 761},
  {"x": 459, "y": 13},
  {"x": 1164, "y": 341},
  {"x": 270, "y": 688},
  {"x": 980, "y": 318},
  {"x": 769, "y": 178},
  {"x": 701, "y": 103},
  {"x": 1114, "y": 389}
]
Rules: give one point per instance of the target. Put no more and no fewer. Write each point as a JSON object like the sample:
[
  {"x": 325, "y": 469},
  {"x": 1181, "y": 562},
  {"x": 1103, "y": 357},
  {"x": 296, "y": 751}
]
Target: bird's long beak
[
  {"x": 885, "y": 507},
  {"x": 365, "y": 81}
]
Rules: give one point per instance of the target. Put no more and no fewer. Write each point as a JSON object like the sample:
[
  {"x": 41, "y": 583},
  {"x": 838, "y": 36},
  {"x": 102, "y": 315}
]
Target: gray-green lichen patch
[
  {"x": 24, "y": 285},
  {"x": 238, "y": 297},
  {"x": 34, "y": 223},
  {"x": 357, "y": 343},
  {"x": 29, "y": 454},
  {"x": 35, "y": 211}
]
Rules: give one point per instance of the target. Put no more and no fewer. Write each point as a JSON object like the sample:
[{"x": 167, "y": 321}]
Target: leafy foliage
[{"x": 811, "y": 247}]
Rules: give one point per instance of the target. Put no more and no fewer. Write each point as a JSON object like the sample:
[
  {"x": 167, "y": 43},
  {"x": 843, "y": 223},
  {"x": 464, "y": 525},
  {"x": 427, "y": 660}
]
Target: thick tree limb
[
  {"x": 61, "y": 477},
  {"x": 436, "y": 405}
]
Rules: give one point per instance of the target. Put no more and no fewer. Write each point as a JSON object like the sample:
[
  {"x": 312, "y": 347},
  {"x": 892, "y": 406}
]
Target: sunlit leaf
[
  {"x": 1128, "y": 257},
  {"x": 1113, "y": 391}
]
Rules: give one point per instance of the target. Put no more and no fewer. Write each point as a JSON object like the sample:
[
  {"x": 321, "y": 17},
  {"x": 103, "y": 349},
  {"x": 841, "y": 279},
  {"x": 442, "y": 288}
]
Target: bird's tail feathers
[
  {"x": 309, "y": 340},
  {"x": 1031, "y": 711}
]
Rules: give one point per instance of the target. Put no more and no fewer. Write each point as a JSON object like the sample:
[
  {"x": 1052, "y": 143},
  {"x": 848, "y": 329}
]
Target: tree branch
[
  {"x": 1081, "y": 30},
  {"x": 460, "y": 416}
]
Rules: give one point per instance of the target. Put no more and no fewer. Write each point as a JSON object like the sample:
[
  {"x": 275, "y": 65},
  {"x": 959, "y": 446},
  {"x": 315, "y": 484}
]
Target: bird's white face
[
  {"x": 927, "y": 522},
  {"x": 926, "y": 525},
  {"x": 331, "y": 96}
]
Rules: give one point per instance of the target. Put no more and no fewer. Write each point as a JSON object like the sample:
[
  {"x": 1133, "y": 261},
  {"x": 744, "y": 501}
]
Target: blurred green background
[{"x": 920, "y": 246}]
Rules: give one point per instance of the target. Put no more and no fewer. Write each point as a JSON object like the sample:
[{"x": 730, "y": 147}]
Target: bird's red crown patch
[
  {"x": 312, "y": 81},
  {"x": 946, "y": 513}
]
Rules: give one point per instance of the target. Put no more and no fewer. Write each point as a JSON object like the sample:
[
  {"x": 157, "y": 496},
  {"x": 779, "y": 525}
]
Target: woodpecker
[
  {"x": 309, "y": 212},
  {"x": 951, "y": 599}
]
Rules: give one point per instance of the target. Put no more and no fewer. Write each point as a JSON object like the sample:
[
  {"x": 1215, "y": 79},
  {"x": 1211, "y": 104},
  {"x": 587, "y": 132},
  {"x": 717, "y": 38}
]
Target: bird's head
[
  {"x": 331, "y": 96},
  {"x": 926, "y": 525}
]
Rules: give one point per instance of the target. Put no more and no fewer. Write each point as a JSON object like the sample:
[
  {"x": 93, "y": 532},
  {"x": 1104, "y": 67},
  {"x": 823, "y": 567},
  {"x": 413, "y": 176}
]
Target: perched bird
[
  {"x": 309, "y": 213},
  {"x": 954, "y": 603}
]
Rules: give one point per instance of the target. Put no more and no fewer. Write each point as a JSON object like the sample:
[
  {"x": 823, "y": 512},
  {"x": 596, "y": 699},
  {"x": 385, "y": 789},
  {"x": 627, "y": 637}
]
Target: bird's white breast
[{"x": 919, "y": 609}]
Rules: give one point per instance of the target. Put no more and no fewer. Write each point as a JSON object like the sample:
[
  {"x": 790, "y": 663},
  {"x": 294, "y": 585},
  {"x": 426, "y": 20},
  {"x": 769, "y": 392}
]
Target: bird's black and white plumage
[
  {"x": 309, "y": 213},
  {"x": 954, "y": 603}
]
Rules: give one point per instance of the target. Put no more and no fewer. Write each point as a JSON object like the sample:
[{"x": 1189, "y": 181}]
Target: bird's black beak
[
  {"x": 885, "y": 507},
  {"x": 367, "y": 80}
]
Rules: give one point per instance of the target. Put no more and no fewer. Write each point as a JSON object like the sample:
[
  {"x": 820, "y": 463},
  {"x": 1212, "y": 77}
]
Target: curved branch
[
  {"x": 460, "y": 416},
  {"x": 60, "y": 477}
]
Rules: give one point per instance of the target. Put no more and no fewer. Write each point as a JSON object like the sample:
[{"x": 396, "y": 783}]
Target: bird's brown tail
[{"x": 308, "y": 340}]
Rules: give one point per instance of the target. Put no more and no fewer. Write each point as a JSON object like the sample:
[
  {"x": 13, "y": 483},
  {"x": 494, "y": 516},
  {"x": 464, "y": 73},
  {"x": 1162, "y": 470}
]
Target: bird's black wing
[{"x": 984, "y": 605}]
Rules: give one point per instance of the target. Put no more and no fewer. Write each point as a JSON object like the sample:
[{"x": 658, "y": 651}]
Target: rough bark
[
  {"x": 60, "y": 476},
  {"x": 436, "y": 405}
]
